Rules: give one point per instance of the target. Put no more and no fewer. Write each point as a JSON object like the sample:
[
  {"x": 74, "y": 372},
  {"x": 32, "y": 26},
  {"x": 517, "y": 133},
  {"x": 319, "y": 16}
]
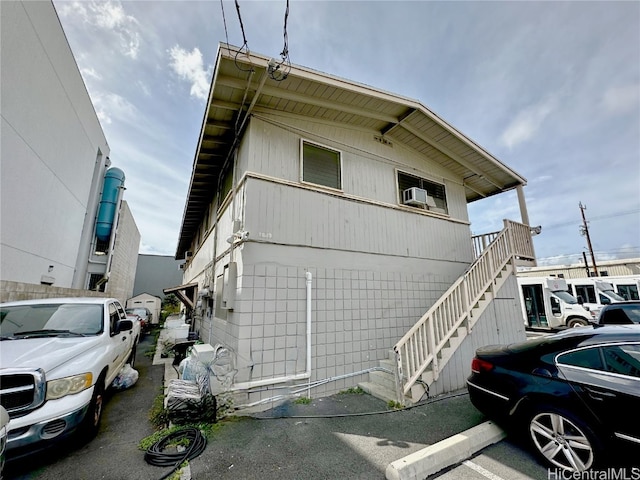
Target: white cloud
[
  {"x": 90, "y": 72},
  {"x": 143, "y": 87},
  {"x": 618, "y": 100},
  {"x": 111, "y": 105},
  {"x": 189, "y": 66},
  {"x": 527, "y": 123},
  {"x": 108, "y": 16}
]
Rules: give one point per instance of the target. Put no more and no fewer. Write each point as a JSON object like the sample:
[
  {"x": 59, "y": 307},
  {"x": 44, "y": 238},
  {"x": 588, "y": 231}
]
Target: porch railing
[{"x": 418, "y": 349}]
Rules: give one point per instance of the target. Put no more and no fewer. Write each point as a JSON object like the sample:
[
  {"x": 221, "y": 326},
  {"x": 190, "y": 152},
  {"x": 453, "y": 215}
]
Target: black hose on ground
[{"x": 155, "y": 454}]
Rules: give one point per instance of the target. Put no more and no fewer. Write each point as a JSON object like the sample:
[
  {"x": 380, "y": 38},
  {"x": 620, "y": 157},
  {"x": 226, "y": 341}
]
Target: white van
[
  {"x": 547, "y": 304},
  {"x": 593, "y": 293},
  {"x": 627, "y": 286}
]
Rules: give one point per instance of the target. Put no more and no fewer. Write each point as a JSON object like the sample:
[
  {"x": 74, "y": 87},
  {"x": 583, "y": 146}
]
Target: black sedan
[{"x": 575, "y": 393}]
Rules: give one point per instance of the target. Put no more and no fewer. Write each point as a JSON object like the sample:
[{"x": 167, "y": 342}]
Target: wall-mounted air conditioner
[
  {"x": 414, "y": 196},
  {"x": 188, "y": 254},
  {"x": 182, "y": 266},
  {"x": 417, "y": 197}
]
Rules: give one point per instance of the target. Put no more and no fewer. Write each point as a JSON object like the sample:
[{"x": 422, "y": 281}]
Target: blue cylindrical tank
[{"x": 113, "y": 180}]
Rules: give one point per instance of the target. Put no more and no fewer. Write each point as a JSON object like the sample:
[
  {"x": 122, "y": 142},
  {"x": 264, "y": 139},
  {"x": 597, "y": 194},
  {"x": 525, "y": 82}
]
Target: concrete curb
[{"x": 455, "y": 449}]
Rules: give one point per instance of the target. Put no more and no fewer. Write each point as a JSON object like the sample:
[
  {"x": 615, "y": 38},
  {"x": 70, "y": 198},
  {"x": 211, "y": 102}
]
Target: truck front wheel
[
  {"x": 94, "y": 413},
  {"x": 576, "y": 322}
]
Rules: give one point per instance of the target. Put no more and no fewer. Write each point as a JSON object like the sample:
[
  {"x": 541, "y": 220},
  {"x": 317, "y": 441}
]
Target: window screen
[
  {"x": 321, "y": 166},
  {"x": 434, "y": 190}
]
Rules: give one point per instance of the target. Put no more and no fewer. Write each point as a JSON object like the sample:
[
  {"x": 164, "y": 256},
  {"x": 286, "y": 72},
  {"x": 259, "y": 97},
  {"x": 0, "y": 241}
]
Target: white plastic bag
[{"x": 126, "y": 378}]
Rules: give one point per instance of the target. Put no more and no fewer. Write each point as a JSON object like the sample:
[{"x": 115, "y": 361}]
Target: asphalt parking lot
[
  {"x": 113, "y": 454},
  {"x": 348, "y": 435}
]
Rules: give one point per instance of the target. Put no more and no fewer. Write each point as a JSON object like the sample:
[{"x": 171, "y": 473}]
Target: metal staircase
[{"x": 421, "y": 354}]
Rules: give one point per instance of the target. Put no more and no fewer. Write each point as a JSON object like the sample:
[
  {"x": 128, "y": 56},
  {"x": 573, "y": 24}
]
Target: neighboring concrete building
[
  {"x": 54, "y": 159},
  {"x": 326, "y": 225},
  {"x": 155, "y": 273},
  {"x": 606, "y": 268}
]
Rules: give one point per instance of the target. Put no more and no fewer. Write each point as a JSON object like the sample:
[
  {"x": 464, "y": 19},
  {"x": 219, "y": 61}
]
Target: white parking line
[{"x": 482, "y": 471}]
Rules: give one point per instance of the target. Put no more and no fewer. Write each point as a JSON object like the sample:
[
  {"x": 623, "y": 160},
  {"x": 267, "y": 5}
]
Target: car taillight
[{"x": 478, "y": 365}]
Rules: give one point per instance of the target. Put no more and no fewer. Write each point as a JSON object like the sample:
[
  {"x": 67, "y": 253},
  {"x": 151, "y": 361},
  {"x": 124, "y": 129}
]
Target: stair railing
[{"x": 419, "y": 347}]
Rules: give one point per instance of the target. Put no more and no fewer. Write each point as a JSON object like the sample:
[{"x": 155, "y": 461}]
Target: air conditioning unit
[
  {"x": 182, "y": 266},
  {"x": 415, "y": 196},
  {"x": 188, "y": 254},
  {"x": 418, "y": 197}
]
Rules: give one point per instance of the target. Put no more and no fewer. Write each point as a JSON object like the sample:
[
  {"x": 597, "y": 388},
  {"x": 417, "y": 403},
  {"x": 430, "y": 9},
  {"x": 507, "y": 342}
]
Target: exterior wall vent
[{"x": 382, "y": 140}]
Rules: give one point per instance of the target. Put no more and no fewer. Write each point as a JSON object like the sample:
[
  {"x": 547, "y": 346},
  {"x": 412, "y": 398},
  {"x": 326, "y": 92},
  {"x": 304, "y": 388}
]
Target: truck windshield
[
  {"x": 613, "y": 295},
  {"x": 62, "y": 319},
  {"x": 565, "y": 297}
]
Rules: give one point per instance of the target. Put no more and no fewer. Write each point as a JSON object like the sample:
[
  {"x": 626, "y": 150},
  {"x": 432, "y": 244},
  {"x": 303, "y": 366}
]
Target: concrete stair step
[
  {"x": 388, "y": 363},
  {"x": 383, "y": 379},
  {"x": 378, "y": 391}
]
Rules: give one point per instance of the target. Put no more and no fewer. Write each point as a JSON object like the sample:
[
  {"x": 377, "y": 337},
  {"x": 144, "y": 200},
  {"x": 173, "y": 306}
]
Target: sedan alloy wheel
[{"x": 561, "y": 441}]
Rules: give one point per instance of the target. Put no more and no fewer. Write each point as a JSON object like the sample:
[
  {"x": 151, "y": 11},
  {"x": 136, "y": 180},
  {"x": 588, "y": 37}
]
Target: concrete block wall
[
  {"x": 14, "y": 291},
  {"x": 357, "y": 316},
  {"x": 125, "y": 257}
]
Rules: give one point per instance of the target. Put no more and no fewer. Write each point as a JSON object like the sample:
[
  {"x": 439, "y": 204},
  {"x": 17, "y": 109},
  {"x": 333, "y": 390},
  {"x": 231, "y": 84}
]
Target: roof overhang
[{"x": 241, "y": 85}]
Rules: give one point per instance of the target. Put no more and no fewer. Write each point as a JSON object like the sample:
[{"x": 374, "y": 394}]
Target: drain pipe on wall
[{"x": 297, "y": 376}]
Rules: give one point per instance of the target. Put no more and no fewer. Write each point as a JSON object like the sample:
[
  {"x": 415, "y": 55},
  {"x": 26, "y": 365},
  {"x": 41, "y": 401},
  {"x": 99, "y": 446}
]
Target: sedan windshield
[{"x": 50, "y": 320}]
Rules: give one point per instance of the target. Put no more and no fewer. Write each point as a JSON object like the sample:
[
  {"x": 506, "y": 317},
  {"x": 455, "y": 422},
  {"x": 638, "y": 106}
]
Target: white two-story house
[{"x": 327, "y": 240}]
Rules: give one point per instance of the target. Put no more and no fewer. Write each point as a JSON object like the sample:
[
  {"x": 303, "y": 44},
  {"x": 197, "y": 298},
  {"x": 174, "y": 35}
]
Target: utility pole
[
  {"x": 584, "y": 230},
  {"x": 586, "y": 265}
]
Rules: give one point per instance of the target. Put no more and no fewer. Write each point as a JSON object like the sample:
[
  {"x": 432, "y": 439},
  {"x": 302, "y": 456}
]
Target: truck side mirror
[{"x": 123, "y": 325}]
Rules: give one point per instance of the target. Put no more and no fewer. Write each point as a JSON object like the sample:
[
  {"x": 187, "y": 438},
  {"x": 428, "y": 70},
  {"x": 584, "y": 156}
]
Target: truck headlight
[{"x": 68, "y": 385}]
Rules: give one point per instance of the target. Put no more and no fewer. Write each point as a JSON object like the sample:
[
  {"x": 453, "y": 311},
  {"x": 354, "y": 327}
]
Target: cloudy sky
[{"x": 552, "y": 89}]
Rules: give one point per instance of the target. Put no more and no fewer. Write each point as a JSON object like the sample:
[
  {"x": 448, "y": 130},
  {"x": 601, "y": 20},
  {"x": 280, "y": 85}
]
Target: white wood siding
[
  {"x": 368, "y": 167},
  {"x": 288, "y": 215}
]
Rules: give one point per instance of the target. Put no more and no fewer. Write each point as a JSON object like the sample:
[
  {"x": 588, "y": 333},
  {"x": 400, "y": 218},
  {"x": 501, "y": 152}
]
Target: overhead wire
[
  {"x": 245, "y": 44},
  {"x": 279, "y": 71},
  {"x": 224, "y": 21}
]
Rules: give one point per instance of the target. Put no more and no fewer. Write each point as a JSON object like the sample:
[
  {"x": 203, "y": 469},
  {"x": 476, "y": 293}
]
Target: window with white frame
[
  {"x": 434, "y": 190},
  {"x": 321, "y": 165}
]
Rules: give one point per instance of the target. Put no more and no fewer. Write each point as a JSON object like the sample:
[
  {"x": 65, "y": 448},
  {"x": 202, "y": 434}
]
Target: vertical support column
[{"x": 524, "y": 214}]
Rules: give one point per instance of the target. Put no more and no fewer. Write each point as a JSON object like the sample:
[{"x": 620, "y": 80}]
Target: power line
[
  {"x": 600, "y": 217},
  {"x": 615, "y": 251},
  {"x": 224, "y": 21},
  {"x": 279, "y": 71}
]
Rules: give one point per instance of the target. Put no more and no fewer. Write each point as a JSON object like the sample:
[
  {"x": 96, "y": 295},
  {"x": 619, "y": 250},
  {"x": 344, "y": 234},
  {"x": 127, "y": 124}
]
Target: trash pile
[
  {"x": 204, "y": 374},
  {"x": 189, "y": 401},
  {"x": 126, "y": 378}
]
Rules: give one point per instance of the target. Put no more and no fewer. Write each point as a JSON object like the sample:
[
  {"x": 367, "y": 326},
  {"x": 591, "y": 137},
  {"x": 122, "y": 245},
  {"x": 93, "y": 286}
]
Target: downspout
[{"x": 297, "y": 376}]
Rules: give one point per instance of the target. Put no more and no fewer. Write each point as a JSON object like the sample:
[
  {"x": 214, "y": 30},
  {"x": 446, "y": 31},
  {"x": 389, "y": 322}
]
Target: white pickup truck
[{"x": 57, "y": 358}]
